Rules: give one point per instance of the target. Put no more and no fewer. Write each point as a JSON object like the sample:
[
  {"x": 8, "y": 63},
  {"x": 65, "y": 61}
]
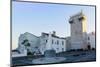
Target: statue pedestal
[{"x": 50, "y": 53}]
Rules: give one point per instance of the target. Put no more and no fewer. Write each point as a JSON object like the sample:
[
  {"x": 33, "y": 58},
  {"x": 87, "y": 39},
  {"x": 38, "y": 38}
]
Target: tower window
[
  {"x": 80, "y": 18},
  {"x": 71, "y": 21}
]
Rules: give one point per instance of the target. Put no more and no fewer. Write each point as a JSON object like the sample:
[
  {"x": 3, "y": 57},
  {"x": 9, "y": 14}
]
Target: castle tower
[{"x": 78, "y": 31}]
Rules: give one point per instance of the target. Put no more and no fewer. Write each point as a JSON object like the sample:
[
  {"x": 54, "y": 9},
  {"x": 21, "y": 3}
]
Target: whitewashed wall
[
  {"x": 32, "y": 39},
  {"x": 92, "y": 40},
  {"x": 57, "y": 47}
]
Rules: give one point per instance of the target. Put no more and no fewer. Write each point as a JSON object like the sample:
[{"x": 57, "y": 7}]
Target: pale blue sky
[{"x": 41, "y": 17}]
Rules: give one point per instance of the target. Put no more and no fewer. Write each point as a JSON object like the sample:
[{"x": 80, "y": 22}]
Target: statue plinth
[{"x": 50, "y": 53}]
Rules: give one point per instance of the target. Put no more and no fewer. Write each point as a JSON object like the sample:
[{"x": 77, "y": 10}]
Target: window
[
  {"x": 62, "y": 42},
  {"x": 88, "y": 38},
  {"x": 57, "y": 42},
  {"x": 57, "y": 48},
  {"x": 80, "y": 18},
  {"x": 46, "y": 41},
  {"x": 62, "y": 49},
  {"x": 52, "y": 41}
]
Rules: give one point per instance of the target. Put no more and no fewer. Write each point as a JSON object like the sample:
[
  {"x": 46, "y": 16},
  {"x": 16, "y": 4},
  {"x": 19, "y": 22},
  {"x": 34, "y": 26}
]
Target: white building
[
  {"x": 57, "y": 43},
  {"x": 37, "y": 45},
  {"x": 91, "y": 40},
  {"x": 29, "y": 42}
]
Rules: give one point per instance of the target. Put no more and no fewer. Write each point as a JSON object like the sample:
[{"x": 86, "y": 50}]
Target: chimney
[{"x": 54, "y": 33}]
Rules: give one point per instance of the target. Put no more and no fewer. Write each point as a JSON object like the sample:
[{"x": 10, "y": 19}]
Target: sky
[{"x": 42, "y": 17}]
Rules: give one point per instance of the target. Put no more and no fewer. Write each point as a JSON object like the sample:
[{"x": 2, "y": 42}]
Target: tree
[
  {"x": 27, "y": 45},
  {"x": 24, "y": 41}
]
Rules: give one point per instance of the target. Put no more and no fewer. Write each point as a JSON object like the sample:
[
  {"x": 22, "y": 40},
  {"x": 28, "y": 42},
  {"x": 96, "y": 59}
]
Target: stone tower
[{"x": 78, "y": 31}]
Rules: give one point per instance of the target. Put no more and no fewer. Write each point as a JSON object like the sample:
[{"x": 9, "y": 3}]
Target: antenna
[{"x": 81, "y": 11}]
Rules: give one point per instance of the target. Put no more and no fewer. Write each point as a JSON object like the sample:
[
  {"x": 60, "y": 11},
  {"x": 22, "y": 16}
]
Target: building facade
[
  {"x": 57, "y": 43},
  {"x": 79, "y": 39}
]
